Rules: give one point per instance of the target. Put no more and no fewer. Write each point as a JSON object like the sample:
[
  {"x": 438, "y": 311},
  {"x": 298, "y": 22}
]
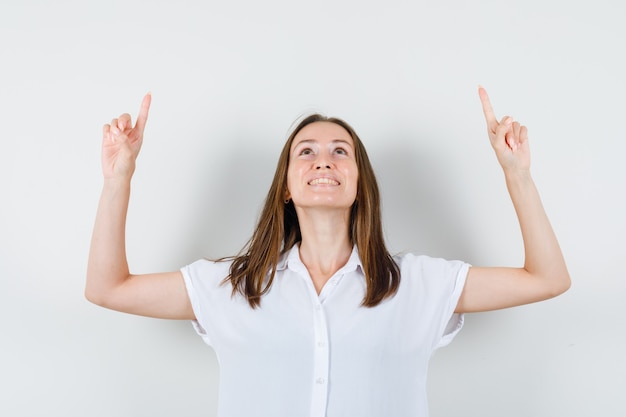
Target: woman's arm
[
  {"x": 109, "y": 282},
  {"x": 544, "y": 274}
]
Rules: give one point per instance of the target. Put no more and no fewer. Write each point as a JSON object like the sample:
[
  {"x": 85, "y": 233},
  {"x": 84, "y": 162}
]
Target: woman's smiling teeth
[{"x": 323, "y": 181}]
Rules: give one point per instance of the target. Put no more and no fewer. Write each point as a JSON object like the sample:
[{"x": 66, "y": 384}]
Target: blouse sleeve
[
  {"x": 453, "y": 322},
  {"x": 434, "y": 286},
  {"x": 203, "y": 280}
]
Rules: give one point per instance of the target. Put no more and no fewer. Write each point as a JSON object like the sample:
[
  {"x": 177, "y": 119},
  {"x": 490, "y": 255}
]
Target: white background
[{"x": 228, "y": 79}]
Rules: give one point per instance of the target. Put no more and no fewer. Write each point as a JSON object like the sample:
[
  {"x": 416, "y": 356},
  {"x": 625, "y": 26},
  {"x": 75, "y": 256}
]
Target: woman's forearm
[
  {"x": 543, "y": 257},
  {"x": 107, "y": 266}
]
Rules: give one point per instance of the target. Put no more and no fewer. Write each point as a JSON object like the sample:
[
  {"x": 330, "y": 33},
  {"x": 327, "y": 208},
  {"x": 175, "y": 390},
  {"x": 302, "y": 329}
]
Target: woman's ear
[{"x": 287, "y": 196}]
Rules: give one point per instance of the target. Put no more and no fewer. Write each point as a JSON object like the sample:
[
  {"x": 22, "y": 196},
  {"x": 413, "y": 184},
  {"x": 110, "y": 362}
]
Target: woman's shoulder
[
  {"x": 412, "y": 264},
  {"x": 431, "y": 279},
  {"x": 205, "y": 268},
  {"x": 412, "y": 257}
]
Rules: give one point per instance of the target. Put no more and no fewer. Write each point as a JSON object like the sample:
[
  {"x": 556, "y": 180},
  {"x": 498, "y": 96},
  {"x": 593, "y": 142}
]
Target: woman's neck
[{"x": 325, "y": 246}]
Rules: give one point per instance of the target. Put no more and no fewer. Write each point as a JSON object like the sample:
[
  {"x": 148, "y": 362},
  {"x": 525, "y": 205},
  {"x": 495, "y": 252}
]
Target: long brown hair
[{"x": 252, "y": 272}]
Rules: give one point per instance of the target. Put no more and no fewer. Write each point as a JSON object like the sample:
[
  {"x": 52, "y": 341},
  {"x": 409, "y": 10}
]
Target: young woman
[{"x": 316, "y": 318}]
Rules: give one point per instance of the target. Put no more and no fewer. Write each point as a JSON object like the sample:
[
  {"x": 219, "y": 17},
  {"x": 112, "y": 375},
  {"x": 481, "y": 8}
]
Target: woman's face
[{"x": 322, "y": 167}]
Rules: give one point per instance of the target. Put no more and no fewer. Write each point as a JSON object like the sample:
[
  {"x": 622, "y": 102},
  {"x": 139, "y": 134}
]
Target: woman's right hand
[
  {"x": 109, "y": 282},
  {"x": 121, "y": 142}
]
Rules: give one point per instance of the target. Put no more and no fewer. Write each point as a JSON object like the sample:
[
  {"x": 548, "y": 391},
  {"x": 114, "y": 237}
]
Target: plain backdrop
[{"x": 228, "y": 80}]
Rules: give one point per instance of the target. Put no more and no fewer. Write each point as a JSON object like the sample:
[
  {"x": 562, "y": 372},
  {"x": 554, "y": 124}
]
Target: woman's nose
[
  {"x": 322, "y": 161},
  {"x": 322, "y": 164}
]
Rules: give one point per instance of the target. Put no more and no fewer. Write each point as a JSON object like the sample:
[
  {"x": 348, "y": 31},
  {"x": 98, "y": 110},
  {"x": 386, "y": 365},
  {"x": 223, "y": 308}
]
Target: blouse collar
[{"x": 291, "y": 260}]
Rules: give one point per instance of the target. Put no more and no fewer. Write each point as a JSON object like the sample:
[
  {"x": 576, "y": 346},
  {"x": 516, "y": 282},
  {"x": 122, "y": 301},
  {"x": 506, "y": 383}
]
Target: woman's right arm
[{"x": 109, "y": 281}]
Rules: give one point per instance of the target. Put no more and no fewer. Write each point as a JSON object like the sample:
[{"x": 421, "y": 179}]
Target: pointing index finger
[
  {"x": 142, "y": 117},
  {"x": 490, "y": 116}
]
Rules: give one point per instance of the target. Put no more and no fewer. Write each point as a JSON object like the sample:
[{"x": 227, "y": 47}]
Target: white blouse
[{"x": 303, "y": 354}]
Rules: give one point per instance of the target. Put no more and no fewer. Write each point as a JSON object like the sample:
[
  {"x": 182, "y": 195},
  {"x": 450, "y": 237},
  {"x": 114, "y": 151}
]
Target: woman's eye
[
  {"x": 306, "y": 151},
  {"x": 341, "y": 151}
]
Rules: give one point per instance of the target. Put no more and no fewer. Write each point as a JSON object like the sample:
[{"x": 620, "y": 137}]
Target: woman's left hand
[
  {"x": 544, "y": 274},
  {"x": 509, "y": 138}
]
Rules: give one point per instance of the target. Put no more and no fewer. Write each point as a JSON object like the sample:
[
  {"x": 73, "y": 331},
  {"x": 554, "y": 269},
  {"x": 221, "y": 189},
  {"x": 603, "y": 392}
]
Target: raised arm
[
  {"x": 109, "y": 282},
  {"x": 544, "y": 274}
]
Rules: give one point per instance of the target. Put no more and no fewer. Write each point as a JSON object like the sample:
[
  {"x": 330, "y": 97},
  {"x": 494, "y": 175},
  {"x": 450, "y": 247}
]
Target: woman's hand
[
  {"x": 544, "y": 274},
  {"x": 121, "y": 142},
  {"x": 508, "y": 138},
  {"x": 109, "y": 281}
]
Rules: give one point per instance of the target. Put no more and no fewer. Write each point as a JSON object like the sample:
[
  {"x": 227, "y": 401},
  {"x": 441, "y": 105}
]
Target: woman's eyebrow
[
  {"x": 343, "y": 141},
  {"x": 315, "y": 141}
]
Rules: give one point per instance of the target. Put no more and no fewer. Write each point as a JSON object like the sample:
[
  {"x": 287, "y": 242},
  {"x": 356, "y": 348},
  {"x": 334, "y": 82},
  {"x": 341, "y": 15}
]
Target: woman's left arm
[{"x": 544, "y": 274}]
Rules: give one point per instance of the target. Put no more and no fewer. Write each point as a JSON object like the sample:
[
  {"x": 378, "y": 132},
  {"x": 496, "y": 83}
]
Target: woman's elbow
[
  {"x": 560, "y": 284},
  {"x": 98, "y": 295},
  {"x": 94, "y": 296}
]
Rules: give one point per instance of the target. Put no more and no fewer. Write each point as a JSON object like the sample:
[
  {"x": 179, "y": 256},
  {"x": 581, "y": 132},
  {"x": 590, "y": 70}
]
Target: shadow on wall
[
  {"x": 227, "y": 204},
  {"x": 423, "y": 210}
]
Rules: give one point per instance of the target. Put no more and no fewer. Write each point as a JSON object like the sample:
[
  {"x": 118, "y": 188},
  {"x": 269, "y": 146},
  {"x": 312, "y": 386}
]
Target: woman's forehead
[{"x": 322, "y": 131}]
